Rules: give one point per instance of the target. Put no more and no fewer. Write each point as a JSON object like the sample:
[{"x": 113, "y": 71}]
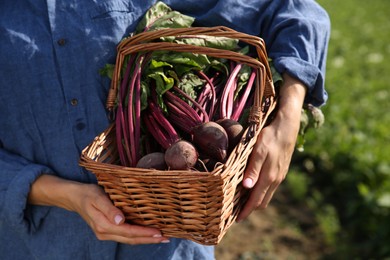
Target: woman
[{"x": 52, "y": 106}]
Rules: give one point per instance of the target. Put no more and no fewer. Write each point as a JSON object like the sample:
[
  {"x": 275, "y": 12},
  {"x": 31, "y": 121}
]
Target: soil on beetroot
[{"x": 284, "y": 230}]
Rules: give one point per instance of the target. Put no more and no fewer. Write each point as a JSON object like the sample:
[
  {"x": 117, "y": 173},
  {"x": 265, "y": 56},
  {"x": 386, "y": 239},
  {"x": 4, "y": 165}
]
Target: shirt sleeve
[
  {"x": 297, "y": 35},
  {"x": 17, "y": 176}
]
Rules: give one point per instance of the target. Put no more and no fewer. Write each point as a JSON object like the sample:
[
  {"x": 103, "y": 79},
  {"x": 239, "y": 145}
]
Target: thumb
[
  {"x": 255, "y": 163},
  {"x": 104, "y": 205}
]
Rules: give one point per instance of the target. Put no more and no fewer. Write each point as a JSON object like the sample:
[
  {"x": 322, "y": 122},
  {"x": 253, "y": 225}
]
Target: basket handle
[{"x": 144, "y": 42}]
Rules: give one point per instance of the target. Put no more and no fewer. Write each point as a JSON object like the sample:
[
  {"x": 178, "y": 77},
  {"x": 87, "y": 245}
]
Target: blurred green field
[
  {"x": 344, "y": 172},
  {"x": 335, "y": 202}
]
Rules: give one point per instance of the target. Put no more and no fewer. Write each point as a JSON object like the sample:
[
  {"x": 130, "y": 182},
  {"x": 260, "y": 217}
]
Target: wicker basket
[{"x": 199, "y": 206}]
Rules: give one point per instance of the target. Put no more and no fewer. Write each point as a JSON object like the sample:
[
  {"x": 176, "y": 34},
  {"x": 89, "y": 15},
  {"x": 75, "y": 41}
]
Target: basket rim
[{"x": 87, "y": 161}]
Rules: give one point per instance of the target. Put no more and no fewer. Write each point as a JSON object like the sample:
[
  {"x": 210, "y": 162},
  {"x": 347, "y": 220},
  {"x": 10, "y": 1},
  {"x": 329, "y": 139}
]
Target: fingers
[
  {"x": 255, "y": 163},
  {"x": 126, "y": 233},
  {"x": 260, "y": 196},
  {"x": 108, "y": 222},
  {"x": 268, "y": 196},
  {"x": 104, "y": 205},
  {"x": 136, "y": 240},
  {"x": 267, "y": 168}
]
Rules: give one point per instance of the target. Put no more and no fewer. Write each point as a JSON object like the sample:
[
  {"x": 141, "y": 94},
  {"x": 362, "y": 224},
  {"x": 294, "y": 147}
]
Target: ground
[{"x": 284, "y": 230}]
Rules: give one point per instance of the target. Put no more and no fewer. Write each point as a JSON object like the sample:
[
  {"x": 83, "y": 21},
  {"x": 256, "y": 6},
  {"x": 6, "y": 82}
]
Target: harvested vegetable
[
  {"x": 234, "y": 131},
  {"x": 208, "y": 136},
  {"x": 180, "y": 154},
  {"x": 155, "y": 160},
  {"x": 180, "y": 97}
]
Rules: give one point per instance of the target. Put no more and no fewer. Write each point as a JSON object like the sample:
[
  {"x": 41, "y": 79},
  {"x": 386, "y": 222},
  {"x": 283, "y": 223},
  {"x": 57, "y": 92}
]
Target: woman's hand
[
  {"x": 271, "y": 155},
  {"x": 93, "y": 205}
]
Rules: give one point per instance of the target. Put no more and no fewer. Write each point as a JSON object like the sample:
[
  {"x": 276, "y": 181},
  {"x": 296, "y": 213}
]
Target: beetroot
[
  {"x": 182, "y": 155},
  {"x": 211, "y": 139},
  {"x": 179, "y": 154},
  {"x": 208, "y": 136},
  {"x": 174, "y": 107},
  {"x": 234, "y": 131},
  {"x": 155, "y": 160}
]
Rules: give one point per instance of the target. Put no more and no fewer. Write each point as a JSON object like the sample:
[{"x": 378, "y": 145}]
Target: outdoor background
[{"x": 335, "y": 202}]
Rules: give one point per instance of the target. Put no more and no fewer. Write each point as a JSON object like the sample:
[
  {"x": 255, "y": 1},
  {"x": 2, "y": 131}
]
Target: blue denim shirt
[{"x": 52, "y": 103}]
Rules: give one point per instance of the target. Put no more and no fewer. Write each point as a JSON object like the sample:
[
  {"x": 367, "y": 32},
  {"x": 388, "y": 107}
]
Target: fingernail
[
  {"x": 165, "y": 241},
  {"x": 118, "y": 219},
  {"x": 248, "y": 183},
  {"x": 157, "y": 235}
]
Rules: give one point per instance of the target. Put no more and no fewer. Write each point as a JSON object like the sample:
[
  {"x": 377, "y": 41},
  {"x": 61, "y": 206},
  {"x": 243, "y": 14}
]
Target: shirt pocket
[
  {"x": 110, "y": 21},
  {"x": 113, "y": 10}
]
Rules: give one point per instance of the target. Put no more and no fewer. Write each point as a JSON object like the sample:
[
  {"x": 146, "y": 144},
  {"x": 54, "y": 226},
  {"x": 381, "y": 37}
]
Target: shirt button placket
[
  {"x": 74, "y": 101},
  {"x": 62, "y": 42}
]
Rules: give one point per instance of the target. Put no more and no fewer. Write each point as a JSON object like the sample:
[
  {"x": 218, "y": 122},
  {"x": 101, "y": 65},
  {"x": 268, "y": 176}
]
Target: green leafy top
[{"x": 162, "y": 16}]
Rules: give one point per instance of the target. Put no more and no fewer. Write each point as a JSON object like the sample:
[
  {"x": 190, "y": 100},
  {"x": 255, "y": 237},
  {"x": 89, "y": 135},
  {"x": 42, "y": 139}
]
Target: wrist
[
  {"x": 49, "y": 190},
  {"x": 290, "y": 102},
  {"x": 291, "y": 94}
]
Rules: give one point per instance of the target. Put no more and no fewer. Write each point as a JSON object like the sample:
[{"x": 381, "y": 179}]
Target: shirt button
[
  {"x": 61, "y": 42},
  {"x": 74, "y": 102}
]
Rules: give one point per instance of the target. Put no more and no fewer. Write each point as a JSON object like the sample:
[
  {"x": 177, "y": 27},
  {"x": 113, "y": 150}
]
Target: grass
[
  {"x": 349, "y": 162},
  {"x": 358, "y": 77}
]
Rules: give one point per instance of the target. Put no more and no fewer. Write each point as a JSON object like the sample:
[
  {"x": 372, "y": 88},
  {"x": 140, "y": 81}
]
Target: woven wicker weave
[{"x": 199, "y": 206}]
